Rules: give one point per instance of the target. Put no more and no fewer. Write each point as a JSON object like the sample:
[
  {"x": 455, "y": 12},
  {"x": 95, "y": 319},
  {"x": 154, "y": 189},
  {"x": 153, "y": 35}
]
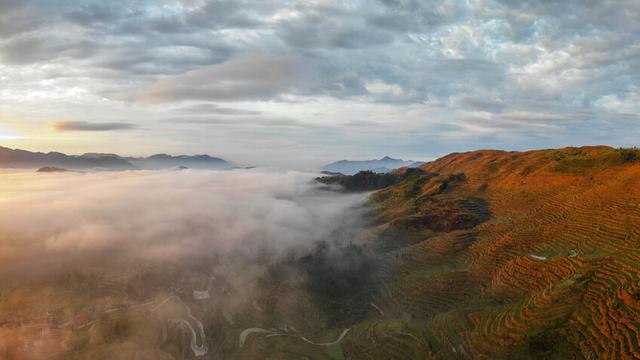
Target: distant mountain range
[
  {"x": 14, "y": 158},
  {"x": 160, "y": 161},
  {"x": 384, "y": 165}
]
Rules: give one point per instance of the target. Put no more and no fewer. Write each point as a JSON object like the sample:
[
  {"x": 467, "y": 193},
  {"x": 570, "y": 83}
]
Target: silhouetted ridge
[
  {"x": 15, "y": 158},
  {"x": 383, "y": 165},
  {"x": 10, "y": 158}
]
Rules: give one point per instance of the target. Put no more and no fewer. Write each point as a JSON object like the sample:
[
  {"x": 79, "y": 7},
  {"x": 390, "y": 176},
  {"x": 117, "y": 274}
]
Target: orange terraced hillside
[{"x": 512, "y": 255}]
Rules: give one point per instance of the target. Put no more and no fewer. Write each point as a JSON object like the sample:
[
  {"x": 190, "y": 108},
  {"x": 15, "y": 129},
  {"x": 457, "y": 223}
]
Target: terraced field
[
  {"x": 506, "y": 255},
  {"x": 553, "y": 273}
]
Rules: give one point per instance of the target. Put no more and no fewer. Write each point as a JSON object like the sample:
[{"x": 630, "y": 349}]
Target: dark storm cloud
[{"x": 90, "y": 126}]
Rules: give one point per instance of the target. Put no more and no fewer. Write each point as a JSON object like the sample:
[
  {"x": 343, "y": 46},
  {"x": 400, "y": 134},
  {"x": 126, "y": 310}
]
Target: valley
[{"x": 480, "y": 255}]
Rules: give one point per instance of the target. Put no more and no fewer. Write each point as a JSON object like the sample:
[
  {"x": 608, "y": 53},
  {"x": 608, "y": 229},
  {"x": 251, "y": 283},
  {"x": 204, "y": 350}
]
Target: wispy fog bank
[{"x": 60, "y": 219}]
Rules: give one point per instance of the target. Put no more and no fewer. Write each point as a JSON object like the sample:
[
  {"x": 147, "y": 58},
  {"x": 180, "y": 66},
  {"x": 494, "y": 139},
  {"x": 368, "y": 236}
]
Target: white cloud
[
  {"x": 95, "y": 60},
  {"x": 147, "y": 216},
  {"x": 628, "y": 103},
  {"x": 254, "y": 76}
]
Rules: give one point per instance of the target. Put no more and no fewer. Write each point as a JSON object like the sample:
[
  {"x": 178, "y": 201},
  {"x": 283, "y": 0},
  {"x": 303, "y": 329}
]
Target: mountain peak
[
  {"x": 14, "y": 158},
  {"x": 350, "y": 167},
  {"x": 160, "y": 156},
  {"x": 99, "y": 155}
]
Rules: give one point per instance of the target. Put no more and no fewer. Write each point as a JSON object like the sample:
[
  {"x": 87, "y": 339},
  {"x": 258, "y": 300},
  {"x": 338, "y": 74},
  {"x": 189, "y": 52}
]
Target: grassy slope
[{"x": 475, "y": 290}]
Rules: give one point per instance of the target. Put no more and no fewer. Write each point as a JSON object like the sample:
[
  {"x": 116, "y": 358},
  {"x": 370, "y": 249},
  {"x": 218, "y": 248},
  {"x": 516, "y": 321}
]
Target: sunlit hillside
[
  {"x": 552, "y": 273},
  {"x": 495, "y": 254}
]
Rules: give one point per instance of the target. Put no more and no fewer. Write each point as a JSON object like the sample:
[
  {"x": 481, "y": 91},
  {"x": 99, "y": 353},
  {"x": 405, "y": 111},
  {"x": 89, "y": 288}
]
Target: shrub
[{"x": 629, "y": 155}]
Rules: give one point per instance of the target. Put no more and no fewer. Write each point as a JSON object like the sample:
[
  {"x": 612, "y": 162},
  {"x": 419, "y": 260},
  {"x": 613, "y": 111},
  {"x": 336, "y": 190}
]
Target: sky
[{"x": 300, "y": 83}]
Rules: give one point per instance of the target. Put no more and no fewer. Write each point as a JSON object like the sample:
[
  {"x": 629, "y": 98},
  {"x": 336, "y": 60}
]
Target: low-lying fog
[
  {"x": 56, "y": 220},
  {"x": 169, "y": 264}
]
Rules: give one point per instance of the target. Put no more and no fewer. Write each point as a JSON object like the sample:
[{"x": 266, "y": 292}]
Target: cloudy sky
[{"x": 299, "y": 83}]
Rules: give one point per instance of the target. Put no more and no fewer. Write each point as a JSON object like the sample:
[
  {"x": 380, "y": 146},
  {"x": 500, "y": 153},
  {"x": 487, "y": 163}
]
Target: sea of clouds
[{"x": 53, "y": 220}]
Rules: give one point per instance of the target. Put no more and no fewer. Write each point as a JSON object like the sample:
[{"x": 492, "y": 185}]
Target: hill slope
[
  {"x": 499, "y": 255},
  {"x": 554, "y": 272}
]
